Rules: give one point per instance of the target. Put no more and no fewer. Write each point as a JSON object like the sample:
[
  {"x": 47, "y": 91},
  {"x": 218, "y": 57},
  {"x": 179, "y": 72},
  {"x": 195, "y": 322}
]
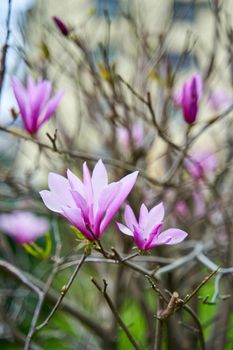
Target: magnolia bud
[{"x": 61, "y": 25}]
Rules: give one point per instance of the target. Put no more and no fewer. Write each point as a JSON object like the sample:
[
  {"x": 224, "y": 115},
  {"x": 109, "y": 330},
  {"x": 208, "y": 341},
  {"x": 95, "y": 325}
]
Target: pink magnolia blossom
[
  {"x": 201, "y": 163},
  {"x": 23, "y": 227},
  {"x": 35, "y": 102},
  {"x": 219, "y": 100},
  {"x": 188, "y": 98},
  {"x": 181, "y": 208},
  {"x": 89, "y": 205},
  {"x": 146, "y": 231},
  {"x": 137, "y": 135}
]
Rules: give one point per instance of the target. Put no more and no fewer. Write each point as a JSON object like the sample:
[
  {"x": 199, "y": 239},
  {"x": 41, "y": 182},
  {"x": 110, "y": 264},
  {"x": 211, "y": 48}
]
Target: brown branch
[
  {"x": 63, "y": 292},
  {"x": 115, "y": 312},
  {"x": 52, "y": 296},
  {"x": 85, "y": 155},
  {"x": 198, "y": 324},
  {"x": 170, "y": 309},
  {"x": 5, "y": 47},
  {"x": 46, "y": 287}
]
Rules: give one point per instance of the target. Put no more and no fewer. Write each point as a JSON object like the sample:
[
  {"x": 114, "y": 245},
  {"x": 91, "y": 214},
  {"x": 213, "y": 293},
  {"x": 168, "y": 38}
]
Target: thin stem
[
  {"x": 37, "y": 286},
  {"x": 115, "y": 313},
  {"x": 45, "y": 289},
  {"x": 5, "y": 47},
  {"x": 198, "y": 324},
  {"x": 63, "y": 293},
  {"x": 158, "y": 331}
]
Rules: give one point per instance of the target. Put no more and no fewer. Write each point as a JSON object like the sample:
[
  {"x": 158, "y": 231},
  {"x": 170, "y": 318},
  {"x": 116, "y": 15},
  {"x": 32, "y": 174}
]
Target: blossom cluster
[{"x": 90, "y": 206}]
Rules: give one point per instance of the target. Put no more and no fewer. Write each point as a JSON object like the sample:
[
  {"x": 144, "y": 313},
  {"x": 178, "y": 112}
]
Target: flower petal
[
  {"x": 153, "y": 237},
  {"x": 108, "y": 195},
  {"x": 61, "y": 186},
  {"x": 80, "y": 201},
  {"x": 50, "y": 109},
  {"x": 127, "y": 184},
  {"x": 38, "y": 97},
  {"x": 171, "y": 236},
  {"x": 155, "y": 217},
  {"x": 143, "y": 216},
  {"x": 99, "y": 179},
  {"x": 74, "y": 216},
  {"x": 23, "y": 103},
  {"x": 87, "y": 184},
  {"x": 105, "y": 199},
  {"x": 124, "y": 229},
  {"x": 75, "y": 183},
  {"x": 139, "y": 239},
  {"x": 51, "y": 201},
  {"x": 130, "y": 218}
]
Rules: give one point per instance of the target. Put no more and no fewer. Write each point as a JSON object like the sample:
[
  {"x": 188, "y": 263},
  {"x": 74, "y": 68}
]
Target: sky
[
  {"x": 14, "y": 63},
  {"x": 14, "y": 66}
]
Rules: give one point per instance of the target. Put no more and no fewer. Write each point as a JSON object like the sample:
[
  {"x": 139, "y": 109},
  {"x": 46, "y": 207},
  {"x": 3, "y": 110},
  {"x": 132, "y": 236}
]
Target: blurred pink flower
[
  {"x": 89, "y": 205},
  {"x": 137, "y": 135},
  {"x": 188, "y": 98},
  {"x": 201, "y": 163},
  {"x": 182, "y": 209},
  {"x": 35, "y": 102},
  {"x": 23, "y": 227},
  {"x": 219, "y": 100},
  {"x": 146, "y": 231}
]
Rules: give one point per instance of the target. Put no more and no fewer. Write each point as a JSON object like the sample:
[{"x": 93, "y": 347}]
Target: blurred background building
[{"x": 189, "y": 33}]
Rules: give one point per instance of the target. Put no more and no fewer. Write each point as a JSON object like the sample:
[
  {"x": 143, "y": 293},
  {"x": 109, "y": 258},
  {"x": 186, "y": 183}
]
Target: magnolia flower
[
  {"x": 89, "y": 205},
  {"x": 188, "y": 98},
  {"x": 219, "y": 100},
  {"x": 137, "y": 135},
  {"x": 35, "y": 102},
  {"x": 181, "y": 208},
  {"x": 23, "y": 227},
  {"x": 146, "y": 231},
  {"x": 201, "y": 163}
]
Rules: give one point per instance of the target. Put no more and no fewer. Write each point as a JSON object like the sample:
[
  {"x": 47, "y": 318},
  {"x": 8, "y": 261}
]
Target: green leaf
[
  {"x": 31, "y": 250},
  {"x": 48, "y": 245},
  {"x": 77, "y": 232}
]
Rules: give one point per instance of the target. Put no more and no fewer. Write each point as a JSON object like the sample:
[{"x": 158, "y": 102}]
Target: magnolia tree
[{"x": 133, "y": 247}]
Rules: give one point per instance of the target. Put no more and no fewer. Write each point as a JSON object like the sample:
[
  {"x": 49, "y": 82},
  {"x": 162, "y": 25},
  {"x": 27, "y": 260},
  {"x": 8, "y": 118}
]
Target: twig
[
  {"x": 129, "y": 257},
  {"x": 52, "y": 296},
  {"x": 170, "y": 309},
  {"x": 85, "y": 155},
  {"x": 5, "y": 47},
  {"x": 148, "y": 103},
  {"x": 53, "y": 139},
  {"x": 199, "y": 326},
  {"x": 180, "y": 262},
  {"x": 132, "y": 265},
  {"x": 115, "y": 312},
  {"x": 21, "y": 277},
  {"x": 45, "y": 290},
  {"x": 158, "y": 328},
  {"x": 63, "y": 293},
  {"x": 156, "y": 289},
  {"x": 98, "y": 259},
  {"x": 196, "y": 290}
]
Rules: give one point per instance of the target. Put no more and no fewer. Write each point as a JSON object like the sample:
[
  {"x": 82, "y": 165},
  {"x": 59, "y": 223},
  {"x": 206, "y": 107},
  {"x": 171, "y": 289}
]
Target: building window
[
  {"x": 184, "y": 10},
  {"x": 182, "y": 61},
  {"x": 111, "y": 6}
]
